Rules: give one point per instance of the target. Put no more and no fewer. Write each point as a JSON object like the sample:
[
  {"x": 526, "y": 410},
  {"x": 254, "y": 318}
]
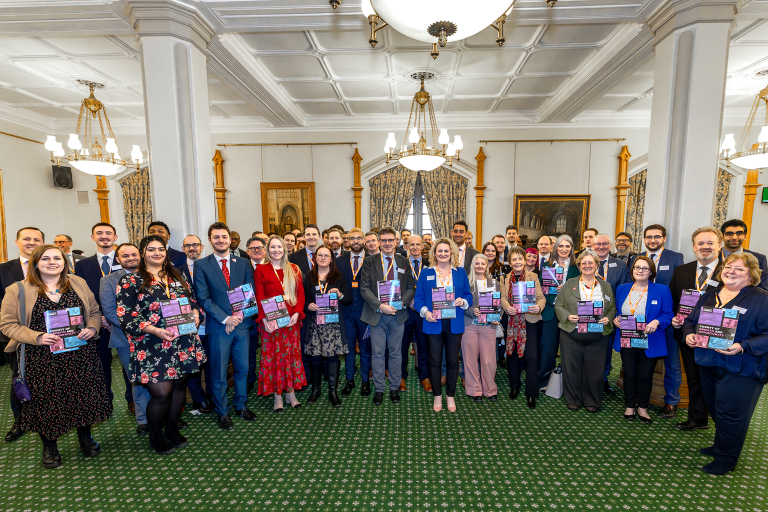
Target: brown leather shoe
[
  {"x": 443, "y": 380},
  {"x": 427, "y": 385},
  {"x": 370, "y": 374},
  {"x": 462, "y": 382},
  {"x": 132, "y": 408},
  {"x": 402, "y": 385},
  {"x": 386, "y": 374}
]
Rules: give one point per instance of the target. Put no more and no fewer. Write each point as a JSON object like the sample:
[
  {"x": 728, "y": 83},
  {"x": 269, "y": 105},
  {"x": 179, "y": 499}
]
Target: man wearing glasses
[
  {"x": 734, "y": 234},
  {"x": 623, "y": 244},
  {"x": 666, "y": 262}
]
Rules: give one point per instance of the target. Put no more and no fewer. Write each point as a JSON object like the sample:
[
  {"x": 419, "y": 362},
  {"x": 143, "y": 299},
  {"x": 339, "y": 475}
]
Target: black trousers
[
  {"x": 13, "y": 360},
  {"x": 583, "y": 361},
  {"x": 638, "y": 377},
  {"x": 531, "y": 357},
  {"x": 435, "y": 344},
  {"x": 697, "y": 409},
  {"x": 731, "y": 400}
]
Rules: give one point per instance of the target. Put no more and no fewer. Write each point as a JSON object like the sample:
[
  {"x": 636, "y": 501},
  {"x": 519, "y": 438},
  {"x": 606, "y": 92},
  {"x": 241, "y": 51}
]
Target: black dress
[
  {"x": 326, "y": 340},
  {"x": 68, "y": 389}
]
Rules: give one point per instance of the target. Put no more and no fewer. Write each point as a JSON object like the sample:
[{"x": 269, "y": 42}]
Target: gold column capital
[
  {"x": 102, "y": 193},
  {"x": 357, "y": 188},
  {"x": 218, "y": 187},
  {"x": 479, "y": 194}
]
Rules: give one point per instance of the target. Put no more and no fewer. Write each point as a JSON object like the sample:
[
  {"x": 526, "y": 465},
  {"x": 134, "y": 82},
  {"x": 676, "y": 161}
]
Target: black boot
[
  {"x": 316, "y": 373},
  {"x": 159, "y": 443},
  {"x": 173, "y": 435},
  {"x": 333, "y": 380},
  {"x": 51, "y": 456}
]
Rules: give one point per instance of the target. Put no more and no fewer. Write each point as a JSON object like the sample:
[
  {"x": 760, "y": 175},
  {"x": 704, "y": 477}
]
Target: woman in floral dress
[
  {"x": 281, "y": 365},
  {"x": 161, "y": 359}
]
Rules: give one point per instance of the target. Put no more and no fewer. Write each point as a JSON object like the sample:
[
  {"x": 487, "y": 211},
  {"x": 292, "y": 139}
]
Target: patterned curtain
[
  {"x": 636, "y": 209},
  {"x": 391, "y": 197},
  {"x": 721, "y": 196},
  {"x": 446, "y": 195},
  {"x": 137, "y": 204}
]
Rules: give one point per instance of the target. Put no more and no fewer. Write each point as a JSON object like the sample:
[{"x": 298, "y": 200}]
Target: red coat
[{"x": 267, "y": 285}]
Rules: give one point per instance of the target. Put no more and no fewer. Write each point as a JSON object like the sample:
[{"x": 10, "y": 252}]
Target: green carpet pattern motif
[{"x": 486, "y": 456}]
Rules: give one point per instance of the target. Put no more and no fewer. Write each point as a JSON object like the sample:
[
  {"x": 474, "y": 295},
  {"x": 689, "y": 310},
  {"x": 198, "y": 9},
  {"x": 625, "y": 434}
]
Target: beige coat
[
  {"x": 541, "y": 301},
  {"x": 10, "y": 314}
]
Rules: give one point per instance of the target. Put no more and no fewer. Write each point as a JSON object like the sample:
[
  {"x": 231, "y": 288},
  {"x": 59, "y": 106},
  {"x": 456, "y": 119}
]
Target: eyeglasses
[
  {"x": 622, "y": 240},
  {"x": 602, "y": 244},
  {"x": 642, "y": 269},
  {"x": 257, "y": 248},
  {"x": 322, "y": 256},
  {"x": 356, "y": 239},
  {"x": 735, "y": 233},
  {"x": 654, "y": 237},
  {"x": 741, "y": 270},
  {"x": 190, "y": 246},
  {"x": 387, "y": 240}
]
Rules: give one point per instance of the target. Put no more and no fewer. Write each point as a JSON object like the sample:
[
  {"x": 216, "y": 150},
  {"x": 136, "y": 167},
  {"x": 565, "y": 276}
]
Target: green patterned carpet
[{"x": 489, "y": 456}]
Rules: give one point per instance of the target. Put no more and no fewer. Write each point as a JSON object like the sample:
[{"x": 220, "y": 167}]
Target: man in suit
[
  {"x": 127, "y": 256},
  {"x": 511, "y": 234},
  {"x": 257, "y": 255},
  {"x": 372, "y": 243},
  {"x": 699, "y": 275},
  {"x": 349, "y": 264},
  {"x": 544, "y": 246},
  {"x": 666, "y": 261},
  {"x": 234, "y": 246},
  {"x": 587, "y": 240},
  {"x": 303, "y": 260},
  {"x": 177, "y": 258},
  {"x": 228, "y": 335},
  {"x": 623, "y": 247},
  {"x": 466, "y": 251},
  {"x": 734, "y": 234},
  {"x": 335, "y": 242},
  {"x": 402, "y": 242},
  {"x": 386, "y": 322},
  {"x": 27, "y": 240},
  {"x": 614, "y": 272},
  {"x": 64, "y": 242},
  {"x": 92, "y": 269},
  {"x": 414, "y": 325},
  {"x": 290, "y": 242},
  {"x": 202, "y": 399}
]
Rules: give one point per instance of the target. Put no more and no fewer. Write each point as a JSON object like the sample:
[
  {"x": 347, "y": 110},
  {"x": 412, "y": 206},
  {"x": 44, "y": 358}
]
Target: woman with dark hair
[
  {"x": 325, "y": 341},
  {"x": 495, "y": 268},
  {"x": 67, "y": 387},
  {"x": 161, "y": 359}
]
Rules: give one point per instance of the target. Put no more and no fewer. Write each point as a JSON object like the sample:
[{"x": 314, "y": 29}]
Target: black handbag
[{"x": 20, "y": 388}]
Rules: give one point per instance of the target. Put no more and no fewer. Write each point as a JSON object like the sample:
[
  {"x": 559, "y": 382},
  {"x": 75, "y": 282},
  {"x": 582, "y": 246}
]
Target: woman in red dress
[{"x": 281, "y": 364}]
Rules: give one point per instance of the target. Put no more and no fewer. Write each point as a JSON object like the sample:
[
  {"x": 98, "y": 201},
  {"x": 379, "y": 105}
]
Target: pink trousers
[{"x": 479, "y": 343}]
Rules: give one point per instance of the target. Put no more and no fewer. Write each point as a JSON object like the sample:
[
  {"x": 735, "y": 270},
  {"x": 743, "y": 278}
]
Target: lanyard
[
  {"x": 658, "y": 257},
  {"x": 704, "y": 286},
  {"x": 417, "y": 274},
  {"x": 279, "y": 280},
  {"x": 719, "y": 303},
  {"x": 323, "y": 287},
  {"x": 605, "y": 272},
  {"x": 163, "y": 282},
  {"x": 584, "y": 287},
  {"x": 440, "y": 277},
  {"x": 633, "y": 307},
  {"x": 392, "y": 263},
  {"x": 352, "y": 267}
]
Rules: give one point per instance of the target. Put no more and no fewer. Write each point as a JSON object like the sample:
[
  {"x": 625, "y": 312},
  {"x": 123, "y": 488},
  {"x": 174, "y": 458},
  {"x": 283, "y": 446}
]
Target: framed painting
[
  {"x": 286, "y": 206},
  {"x": 538, "y": 215}
]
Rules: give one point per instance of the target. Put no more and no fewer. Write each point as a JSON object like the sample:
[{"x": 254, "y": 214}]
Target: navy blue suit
[
  {"x": 195, "y": 384},
  {"x": 177, "y": 258},
  {"x": 354, "y": 326},
  {"x": 614, "y": 272},
  {"x": 667, "y": 262},
  {"x": 211, "y": 291}
]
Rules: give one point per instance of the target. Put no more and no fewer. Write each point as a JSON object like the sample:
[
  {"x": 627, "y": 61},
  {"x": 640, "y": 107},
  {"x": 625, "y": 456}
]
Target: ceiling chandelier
[
  {"x": 419, "y": 156},
  {"x": 91, "y": 158},
  {"x": 757, "y": 156}
]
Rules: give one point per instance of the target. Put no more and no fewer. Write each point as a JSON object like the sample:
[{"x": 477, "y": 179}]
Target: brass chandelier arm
[
  {"x": 373, "y": 21},
  {"x": 499, "y": 27}
]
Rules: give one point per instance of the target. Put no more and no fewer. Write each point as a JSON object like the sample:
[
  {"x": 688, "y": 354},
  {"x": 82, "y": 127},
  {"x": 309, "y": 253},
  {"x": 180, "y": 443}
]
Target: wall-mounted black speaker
[{"x": 62, "y": 177}]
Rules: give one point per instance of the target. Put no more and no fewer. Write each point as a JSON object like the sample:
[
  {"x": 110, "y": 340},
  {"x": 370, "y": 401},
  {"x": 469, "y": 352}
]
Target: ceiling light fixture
[
  {"x": 419, "y": 156},
  {"x": 757, "y": 156},
  {"x": 92, "y": 159}
]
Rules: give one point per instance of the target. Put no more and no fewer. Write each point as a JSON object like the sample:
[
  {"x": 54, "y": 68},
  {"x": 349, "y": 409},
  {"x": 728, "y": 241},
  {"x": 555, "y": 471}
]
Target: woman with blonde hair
[
  {"x": 281, "y": 364},
  {"x": 67, "y": 387}
]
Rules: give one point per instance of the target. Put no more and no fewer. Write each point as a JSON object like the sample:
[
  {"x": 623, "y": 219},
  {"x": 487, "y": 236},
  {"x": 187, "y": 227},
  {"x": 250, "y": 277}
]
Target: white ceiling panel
[
  {"x": 536, "y": 84},
  {"x": 478, "y": 86},
  {"x": 477, "y": 105},
  {"x": 220, "y": 92},
  {"x": 119, "y": 70},
  {"x": 643, "y": 104},
  {"x": 635, "y": 84},
  {"x": 344, "y": 39},
  {"x": 126, "y": 95},
  {"x": 371, "y": 107},
  {"x": 277, "y": 41},
  {"x": 137, "y": 111},
  {"x": 576, "y": 34},
  {"x": 514, "y": 35},
  {"x": 23, "y": 46},
  {"x": 489, "y": 62},
  {"x": 323, "y": 108},
  {"x": 395, "y": 39},
  {"x": 608, "y": 103},
  {"x": 61, "y": 70},
  {"x": 403, "y": 62},
  {"x": 85, "y": 45},
  {"x": 366, "y": 89},
  {"x": 56, "y": 113},
  {"x": 237, "y": 109},
  {"x": 555, "y": 61},
  {"x": 61, "y": 95},
  {"x": 405, "y": 89},
  {"x": 10, "y": 96},
  {"x": 310, "y": 90},
  {"x": 743, "y": 56},
  {"x": 357, "y": 65},
  {"x": 530, "y": 103},
  {"x": 18, "y": 77},
  {"x": 294, "y": 66}
]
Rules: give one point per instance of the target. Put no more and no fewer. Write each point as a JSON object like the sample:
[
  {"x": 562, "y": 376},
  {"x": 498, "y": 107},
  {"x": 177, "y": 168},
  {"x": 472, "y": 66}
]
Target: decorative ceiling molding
[
  {"x": 678, "y": 14},
  {"x": 167, "y": 18}
]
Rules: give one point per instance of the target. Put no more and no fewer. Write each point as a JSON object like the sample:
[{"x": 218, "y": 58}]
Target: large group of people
[{"x": 290, "y": 307}]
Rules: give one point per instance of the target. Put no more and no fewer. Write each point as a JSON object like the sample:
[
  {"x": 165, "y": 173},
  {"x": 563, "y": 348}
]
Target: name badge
[
  {"x": 654, "y": 302},
  {"x": 317, "y": 288},
  {"x": 607, "y": 299},
  {"x": 401, "y": 271},
  {"x": 710, "y": 282},
  {"x": 354, "y": 284},
  {"x": 664, "y": 267},
  {"x": 430, "y": 278},
  {"x": 116, "y": 267},
  {"x": 740, "y": 310},
  {"x": 611, "y": 264}
]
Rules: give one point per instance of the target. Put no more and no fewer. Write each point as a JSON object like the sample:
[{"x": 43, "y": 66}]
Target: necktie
[
  {"x": 391, "y": 271},
  {"x": 105, "y": 265},
  {"x": 416, "y": 267},
  {"x": 225, "y": 271},
  {"x": 702, "y": 276},
  {"x": 357, "y": 265},
  {"x": 653, "y": 258},
  {"x": 24, "y": 268},
  {"x": 602, "y": 269},
  {"x": 310, "y": 254}
]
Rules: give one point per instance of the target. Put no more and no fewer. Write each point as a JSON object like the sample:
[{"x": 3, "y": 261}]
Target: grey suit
[
  {"x": 75, "y": 258},
  {"x": 386, "y": 330}
]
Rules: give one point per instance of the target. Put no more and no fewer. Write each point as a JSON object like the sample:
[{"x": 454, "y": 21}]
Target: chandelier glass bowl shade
[
  {"x": 90, "y": 157},
  {"x": 414, "y": 18},
  {"x": 757, "y": 156}
]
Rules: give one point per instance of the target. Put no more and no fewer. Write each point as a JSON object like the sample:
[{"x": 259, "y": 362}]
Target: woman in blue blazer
[
  {"x": 651, "y": 305},
  {"x": 732, "y": 379},
  {"x": 445, "y": 272}
]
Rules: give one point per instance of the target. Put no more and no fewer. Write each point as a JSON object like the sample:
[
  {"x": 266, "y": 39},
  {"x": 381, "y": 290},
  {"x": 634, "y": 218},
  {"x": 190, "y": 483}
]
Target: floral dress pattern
[
  {"x": 153, "y": 359},
  {"x": 68, "y": 389}
]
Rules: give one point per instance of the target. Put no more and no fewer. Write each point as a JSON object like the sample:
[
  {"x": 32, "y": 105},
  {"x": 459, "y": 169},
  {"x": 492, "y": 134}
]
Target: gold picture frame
[
  {"x": 287, "y": 205},
  {"x": 538, "y": 215}
]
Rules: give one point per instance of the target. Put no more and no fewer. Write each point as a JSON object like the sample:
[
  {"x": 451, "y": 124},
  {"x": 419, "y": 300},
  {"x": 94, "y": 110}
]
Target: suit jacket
[
  {"x": 402, "y": 251},
  {"x": 469, "y": 253},
  {"x": 506, "y": 253},
  {"x": 299, "y": 258},
  {"x": 75, "y": 258},
  {"x": 665, "y": 266},
  {"x": 211, "y": 289},
  {"x": 107, "y": 293},
  {"x": 617, "y": 273},
  {"x": 90, "y": 270},
  {"x": 567, "y": 304},
  {"x": 423, "y": 298},
  {"x": 10, "y": 272},
  {"x": 177, "y": 258},
  {"x": 184, "y": 269},
  {"x": 370, "y": 274},
  {"x": 344, "y": 264},
  {"x": 684, "y": 278},
  {"x": 629, "y": 257},
  {"x": 658, "y": 306}
]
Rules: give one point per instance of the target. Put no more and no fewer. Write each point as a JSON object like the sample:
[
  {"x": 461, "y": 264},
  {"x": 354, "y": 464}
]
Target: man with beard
[
  {"x": 335, "y": 241},
  {"x": 345, "y": 240},
  {"x": 466, "y": 251},
  {"x": 623, "y": 244}
]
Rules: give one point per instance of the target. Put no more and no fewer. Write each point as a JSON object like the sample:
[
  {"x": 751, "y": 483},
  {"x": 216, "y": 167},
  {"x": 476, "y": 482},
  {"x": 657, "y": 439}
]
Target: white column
[
  {"x": 173, "y": 41},
  {"x": 691, "y": 56}
]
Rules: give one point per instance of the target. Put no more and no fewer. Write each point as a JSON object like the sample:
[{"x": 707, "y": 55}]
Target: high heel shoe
[
  {"x": 437, "y": 405},
  {"x": 531, "y": 402},
  {"x": 292, "y": 400},
  {"x": 451, "y": 404},
  {"x": 278, "y": 403}
]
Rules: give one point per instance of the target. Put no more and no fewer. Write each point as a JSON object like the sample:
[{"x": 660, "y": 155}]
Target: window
[
  {"x": 418, "y": 216},
  {"x": 560, "y": 224}
]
